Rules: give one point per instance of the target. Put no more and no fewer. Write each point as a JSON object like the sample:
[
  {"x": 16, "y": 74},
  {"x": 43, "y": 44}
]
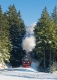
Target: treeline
[
  {"x": 12, "y": 30},
  {"x": 46, "y": 39}
]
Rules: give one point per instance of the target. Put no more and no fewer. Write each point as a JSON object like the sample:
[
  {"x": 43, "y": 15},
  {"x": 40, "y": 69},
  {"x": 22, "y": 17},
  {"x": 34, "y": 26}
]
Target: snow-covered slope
[
  {"x": 29, "y": 73},
  {"x": 16, "y": 75},
  {"x": 2, "y": 77}
]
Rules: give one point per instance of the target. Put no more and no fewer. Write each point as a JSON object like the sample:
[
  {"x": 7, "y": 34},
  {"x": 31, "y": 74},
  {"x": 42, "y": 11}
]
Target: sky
[{"x": 31, "y": 10}]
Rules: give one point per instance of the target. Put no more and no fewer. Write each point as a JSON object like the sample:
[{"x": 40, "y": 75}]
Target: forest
[{"x": 13, "y": 29}]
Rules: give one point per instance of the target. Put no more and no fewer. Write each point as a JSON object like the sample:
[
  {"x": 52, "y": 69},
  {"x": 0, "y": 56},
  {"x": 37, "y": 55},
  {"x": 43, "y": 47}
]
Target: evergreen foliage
[
  {"x": 12, "y": 30},
  {"x": 53, "y": 67},
  {"x": 45, "y": 33},
  {"x": 17, "y": 31},
  {"x": 5, "y": 44}
]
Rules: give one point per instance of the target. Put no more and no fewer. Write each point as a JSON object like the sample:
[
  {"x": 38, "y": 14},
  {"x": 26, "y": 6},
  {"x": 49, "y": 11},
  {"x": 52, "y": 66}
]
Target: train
[{"x": 26, "y": 61}]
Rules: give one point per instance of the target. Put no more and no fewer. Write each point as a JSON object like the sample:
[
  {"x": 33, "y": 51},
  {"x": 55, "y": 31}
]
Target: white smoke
[
  {"x": 28, "y": 43},
  {"x": 30, "y": 29}
]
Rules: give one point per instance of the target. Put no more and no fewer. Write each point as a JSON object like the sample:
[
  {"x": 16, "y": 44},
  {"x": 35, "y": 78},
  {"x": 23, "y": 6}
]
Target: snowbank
[
  {"x": 2, "y": 66},
  {"x": 55, "y": 72}
]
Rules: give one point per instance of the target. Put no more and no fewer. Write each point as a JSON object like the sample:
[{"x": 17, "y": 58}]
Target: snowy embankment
[
  {"x": 17, "y": 75},
  {"x": 41, "y": 77},
  {"x": 3, "y": 66}
]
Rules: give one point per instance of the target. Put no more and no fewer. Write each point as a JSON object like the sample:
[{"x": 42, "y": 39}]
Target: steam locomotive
[{"x": 26, "y": 61}]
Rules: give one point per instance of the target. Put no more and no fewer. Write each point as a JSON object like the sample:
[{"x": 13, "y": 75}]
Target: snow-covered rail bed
[{"x": 31, "y": 75}]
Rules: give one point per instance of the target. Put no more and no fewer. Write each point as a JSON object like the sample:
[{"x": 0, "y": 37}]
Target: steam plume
[{"x": 28, "y": 43}]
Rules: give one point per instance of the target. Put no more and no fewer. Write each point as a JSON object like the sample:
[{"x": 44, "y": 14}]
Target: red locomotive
[{"x": 26, "y": 61}]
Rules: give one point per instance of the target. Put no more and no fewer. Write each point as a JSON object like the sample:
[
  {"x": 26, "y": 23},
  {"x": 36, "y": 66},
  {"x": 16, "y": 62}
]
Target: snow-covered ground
[
  {"x": 26, "y": 73},
  {"x": 2, "y": 77},
  {"x": 16, "y": 75}
]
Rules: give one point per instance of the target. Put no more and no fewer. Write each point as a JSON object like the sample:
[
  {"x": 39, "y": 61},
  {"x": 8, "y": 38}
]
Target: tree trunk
[
  {"x": 50, "y": 56},
  {"x": 44, "y": 59}
]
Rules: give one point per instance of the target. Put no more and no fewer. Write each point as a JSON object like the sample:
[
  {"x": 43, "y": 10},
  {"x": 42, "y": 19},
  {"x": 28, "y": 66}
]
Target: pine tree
[
  {"x": 5, "y": 45},
  {"x": 53, "y": 67},
  {"x": 41, "y": 31},
  {"x": 54, "y": 17},
  {"x": 44, "y": 33},
  {"x": 17, "y": 31}
]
